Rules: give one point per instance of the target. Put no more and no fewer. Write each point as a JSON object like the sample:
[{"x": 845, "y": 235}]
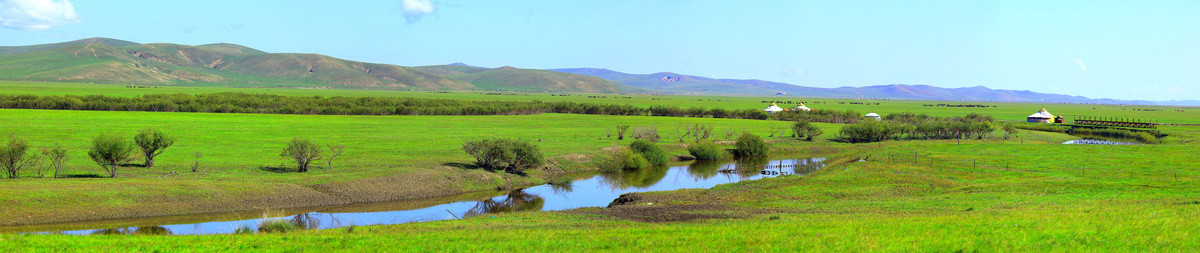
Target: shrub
[
  {"x": 512, "y": 155},
  {"x": 303, "y": 151},
  {"x": 13, "y": 157},
  {"x": 620, "y": 158},
  {"x": 488, "y": 153},
  {"x": 749, "y": 145},
  {"x": 805, "y": 130},
  {"x": 706, "y": 151},
  {"x": 648, "y": 133},
  {"x": 244, "y": 229},
  {"x": 525, "y": 155},
  {"x": 633, "y": 161},
  {"x": 152, "y": 143},
  {"x": 621, "y": 129},
  {"x": 652, "y": 153},
  {"x": 110, "y": 151}
]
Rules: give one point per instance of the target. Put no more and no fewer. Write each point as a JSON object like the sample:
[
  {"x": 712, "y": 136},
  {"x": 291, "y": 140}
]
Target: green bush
[
  {"x": 805, "y": 130},
  {"x": 707, "y": 151},
  {"x": 511, "y": 155},
  {"x": 110, "y": 151},
  {"x": 653, "y": 154},
  {"x": 13, "y": 157},
  {"x": 633, "y": 161},
  {"x": 749, "y": 145}
]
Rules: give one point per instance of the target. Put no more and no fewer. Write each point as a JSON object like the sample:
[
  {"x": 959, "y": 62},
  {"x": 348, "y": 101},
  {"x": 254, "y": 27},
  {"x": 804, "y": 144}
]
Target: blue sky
[{"x": 1101, "y": 49}]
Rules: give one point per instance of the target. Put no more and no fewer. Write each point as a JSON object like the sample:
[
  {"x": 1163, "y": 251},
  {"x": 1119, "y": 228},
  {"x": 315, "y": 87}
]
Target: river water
[{"x": 586, "y": 191}]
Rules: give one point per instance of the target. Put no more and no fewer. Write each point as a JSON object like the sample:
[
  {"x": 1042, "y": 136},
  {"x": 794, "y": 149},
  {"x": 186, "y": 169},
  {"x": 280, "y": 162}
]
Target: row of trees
[
  {"x": 230, "y": 102},
  {"x": 113, "y": 151},
  {"x": 920, "y": 126},
  {"x": 109, "y": 151}
]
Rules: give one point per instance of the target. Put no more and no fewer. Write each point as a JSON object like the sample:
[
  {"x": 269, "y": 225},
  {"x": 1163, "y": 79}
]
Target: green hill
[
  {"x": 122, "y": 62},
  {"x": 517, "y": 79},
  {"x": 31, "y": 48}
]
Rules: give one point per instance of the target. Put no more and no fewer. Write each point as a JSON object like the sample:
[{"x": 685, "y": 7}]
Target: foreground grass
[{"x": 976, "y": 196}]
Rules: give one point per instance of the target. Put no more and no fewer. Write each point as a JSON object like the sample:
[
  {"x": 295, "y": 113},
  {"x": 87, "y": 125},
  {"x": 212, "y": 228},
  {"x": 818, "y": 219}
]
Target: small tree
[
  {"x": 750, "y": 145},
  {"x": 57, "y": 156},
  {"x": 334, "y": 152},
  {"x": 621, "y": 129},
  {"x": 14, "y": 158},
  {"x": 303, "y": 151},
  {"x": 1009, "y": 129},
  {"x": 110, "y": 151},
  {"x": 152, "y": 143},
  {"x": 805, "y": 130},
  {"x": 196, "y": 166}
]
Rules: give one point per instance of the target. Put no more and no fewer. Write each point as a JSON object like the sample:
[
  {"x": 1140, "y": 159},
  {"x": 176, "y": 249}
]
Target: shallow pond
[{"x": 585, "y": 191}]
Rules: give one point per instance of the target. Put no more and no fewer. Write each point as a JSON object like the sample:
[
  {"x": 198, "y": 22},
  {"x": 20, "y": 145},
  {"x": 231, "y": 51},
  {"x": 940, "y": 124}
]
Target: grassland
[
  {"x": 1023, "y": 194},
  {"x": 976, "y": 197},
  {"x": 385, "y": 158}
]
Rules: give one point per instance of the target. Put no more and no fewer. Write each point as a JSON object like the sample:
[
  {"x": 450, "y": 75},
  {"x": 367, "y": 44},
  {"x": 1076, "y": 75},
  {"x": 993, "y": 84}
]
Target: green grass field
[
  {"x": 381, "y": 150},
  {"x": 1028, "y": 193}
]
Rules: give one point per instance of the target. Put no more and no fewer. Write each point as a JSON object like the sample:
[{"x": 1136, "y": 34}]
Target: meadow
[{"x": 1021, "y": 194}]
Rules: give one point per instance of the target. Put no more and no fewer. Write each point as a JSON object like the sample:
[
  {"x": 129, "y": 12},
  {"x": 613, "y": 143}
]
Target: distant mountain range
[
  {"x": 667, "y": 82},
  {"x": 106, "y": 60}
]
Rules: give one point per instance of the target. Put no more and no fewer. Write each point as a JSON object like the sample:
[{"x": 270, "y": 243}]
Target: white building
[
  {"x": 1041, "y": 116},
  {"x": 773, "y": 108},
  {"x": 801, "y": 107},
  {"x": 874, "y": 116}
]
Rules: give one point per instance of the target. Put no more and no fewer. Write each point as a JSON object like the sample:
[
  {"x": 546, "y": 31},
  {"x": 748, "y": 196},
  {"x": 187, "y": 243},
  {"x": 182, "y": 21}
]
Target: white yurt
[
  {"x": 773, "y": 108},
  {"x": 874, "y": 116},
  {"x": 1041, "y": 116},
  {"x": 801, "y": 107}
]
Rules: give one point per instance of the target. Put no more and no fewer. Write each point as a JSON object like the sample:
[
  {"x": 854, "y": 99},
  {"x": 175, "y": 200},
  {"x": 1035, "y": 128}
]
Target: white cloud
[
  {"x": 415, "y": 9},
  {"x": 36, "y": 15},
  {"x": 1082, "y": 67}
]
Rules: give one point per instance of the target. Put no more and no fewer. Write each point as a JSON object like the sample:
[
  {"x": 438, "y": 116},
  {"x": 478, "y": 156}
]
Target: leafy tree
[
  {"x": 57, "y": 156},
  {"x": 303, "y": 151},
  {"x": 110, "y": 151},
  {"x": 805, "y": 130},
  {"x": 14, "y": 157},
  {"x": 749, "y": 145},
  {"x": 152, "y": 143}
]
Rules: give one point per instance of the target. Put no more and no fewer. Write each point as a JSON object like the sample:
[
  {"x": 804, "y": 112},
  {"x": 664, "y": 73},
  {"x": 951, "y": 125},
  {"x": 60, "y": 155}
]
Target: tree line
[
  {"x": 920, "y": 126},
  {"x": 233, "y": 102}
]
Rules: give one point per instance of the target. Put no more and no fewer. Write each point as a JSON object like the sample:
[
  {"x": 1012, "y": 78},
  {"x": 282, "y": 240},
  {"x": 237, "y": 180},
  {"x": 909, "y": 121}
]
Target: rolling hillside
[
  {"x": 114, "y": 61},
  {"x": 517, "y": 79}
]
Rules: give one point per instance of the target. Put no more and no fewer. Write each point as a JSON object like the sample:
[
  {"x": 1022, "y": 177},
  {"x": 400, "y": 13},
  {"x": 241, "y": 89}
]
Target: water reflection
[
  {"x": 592, "y": 191},
  {"x": 514, "y": 201}
]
